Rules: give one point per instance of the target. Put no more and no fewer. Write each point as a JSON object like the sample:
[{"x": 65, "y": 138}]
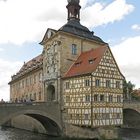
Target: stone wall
[
  {"x": 79, "y": 132},
  {"x": 67, "y": 58},
  {"x": 94, "y": 133}
]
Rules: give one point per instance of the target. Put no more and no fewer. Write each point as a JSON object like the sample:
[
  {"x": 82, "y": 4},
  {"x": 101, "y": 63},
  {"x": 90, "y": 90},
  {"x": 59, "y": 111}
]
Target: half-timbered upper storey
[{"x": 92, "y": 89}]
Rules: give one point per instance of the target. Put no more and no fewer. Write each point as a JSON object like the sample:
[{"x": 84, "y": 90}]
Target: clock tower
[{"x": 62, "y": 47}]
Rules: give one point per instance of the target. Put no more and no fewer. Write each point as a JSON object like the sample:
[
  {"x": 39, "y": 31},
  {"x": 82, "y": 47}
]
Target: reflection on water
[{"x": 16, "y": 134}]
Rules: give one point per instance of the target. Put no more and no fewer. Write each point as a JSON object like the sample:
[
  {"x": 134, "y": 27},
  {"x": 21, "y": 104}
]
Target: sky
[{"x": 23, "y": 24}]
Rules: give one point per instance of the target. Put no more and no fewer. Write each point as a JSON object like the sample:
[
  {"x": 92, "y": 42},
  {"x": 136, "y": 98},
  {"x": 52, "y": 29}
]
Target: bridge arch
[
  {"x": 131, "y": 118},
  {"x": 51, "y": 125}
]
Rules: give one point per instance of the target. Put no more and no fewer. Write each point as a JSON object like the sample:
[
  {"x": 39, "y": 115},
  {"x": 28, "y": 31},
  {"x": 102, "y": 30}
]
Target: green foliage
[
  {"x": 136, "y": 95},
  {"x": 128, "y": 89},
  {"x": 128, "y": 86}
]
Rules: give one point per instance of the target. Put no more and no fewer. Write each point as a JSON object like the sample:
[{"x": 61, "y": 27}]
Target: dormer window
[
  {"x": 91, "y": 61},
  {"x": 78, "y": 63}
]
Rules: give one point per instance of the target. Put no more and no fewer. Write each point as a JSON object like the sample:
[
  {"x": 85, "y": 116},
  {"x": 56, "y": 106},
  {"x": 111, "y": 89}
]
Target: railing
[
  {"x": 28, "y": 103},
  {"x": 134, "y": 104},
  {"x": 131, "y": 101}
]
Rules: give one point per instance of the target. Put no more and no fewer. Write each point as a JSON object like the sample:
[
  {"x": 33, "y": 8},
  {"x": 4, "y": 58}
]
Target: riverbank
[{"x": 17, "y": 134}]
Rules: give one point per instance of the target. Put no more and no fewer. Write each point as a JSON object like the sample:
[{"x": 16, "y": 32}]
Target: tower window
[{"x": 74, "y": 49}]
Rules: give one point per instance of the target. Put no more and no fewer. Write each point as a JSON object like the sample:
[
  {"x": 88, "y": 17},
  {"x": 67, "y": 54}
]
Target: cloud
[
  {"x": 1, "y": 49},
  {"x": 100, "y": 13},
  {"x": 7, "y": 69},
  {"x": 136, "y": 27},
  {"x": 3, "y": 0},
  {"x": 27, "y": 20},
  {"x": 20, "y": 19},
  {"x": 127, "y": 54}
]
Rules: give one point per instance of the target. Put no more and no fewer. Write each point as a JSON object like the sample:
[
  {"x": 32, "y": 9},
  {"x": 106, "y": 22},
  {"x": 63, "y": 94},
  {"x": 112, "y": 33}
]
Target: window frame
[
  {"x": 118, "y": 84},
  {"x": 97, "y": 83},
  {"x": 108, "y": 83},
  {"x": 102, "y": 98},
  {"x": 67, "y": 85},
  {"x": 87, "y": 82},
  {"x": 87, "y": 98},
  {"x": 110, "y": 98},
  {"x": 74, "y": 49},
  {"x": 96, "y": 97}
]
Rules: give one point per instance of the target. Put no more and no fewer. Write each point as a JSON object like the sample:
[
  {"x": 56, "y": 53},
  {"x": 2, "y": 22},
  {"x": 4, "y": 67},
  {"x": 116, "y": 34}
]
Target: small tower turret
[{"x": 73, "y": 10}]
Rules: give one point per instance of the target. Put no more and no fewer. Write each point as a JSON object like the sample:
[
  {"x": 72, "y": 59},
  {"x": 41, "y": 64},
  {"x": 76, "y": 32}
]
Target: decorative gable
[
  {"x": 49, "y": 33},
  {"x": 108, "y": 67}
]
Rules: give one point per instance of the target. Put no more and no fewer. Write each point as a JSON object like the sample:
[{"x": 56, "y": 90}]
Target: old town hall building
[{"x": 76, "y": 69}]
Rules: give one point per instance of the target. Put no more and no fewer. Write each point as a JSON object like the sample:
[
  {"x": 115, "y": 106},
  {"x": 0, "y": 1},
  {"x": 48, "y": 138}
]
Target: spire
[{"x": 73, "y": 10}]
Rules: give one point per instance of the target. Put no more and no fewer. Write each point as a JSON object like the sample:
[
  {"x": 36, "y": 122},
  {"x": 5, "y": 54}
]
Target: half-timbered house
[{"x": 93, "y": 94}]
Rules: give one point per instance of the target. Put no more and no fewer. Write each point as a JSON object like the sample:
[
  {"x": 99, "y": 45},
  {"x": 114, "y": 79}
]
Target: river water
[{"x": 16, "y": 134}]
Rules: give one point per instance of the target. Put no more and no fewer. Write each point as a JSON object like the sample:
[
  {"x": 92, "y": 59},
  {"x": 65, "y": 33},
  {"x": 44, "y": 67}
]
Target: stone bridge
[
  {"x": 132, "y": 105},
  {"x": 131, "y": 114},
  {"x": 48, "y": 114}
]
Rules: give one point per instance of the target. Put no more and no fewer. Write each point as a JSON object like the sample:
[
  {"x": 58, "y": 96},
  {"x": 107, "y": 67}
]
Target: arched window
[{"x": 51, "y": 93}]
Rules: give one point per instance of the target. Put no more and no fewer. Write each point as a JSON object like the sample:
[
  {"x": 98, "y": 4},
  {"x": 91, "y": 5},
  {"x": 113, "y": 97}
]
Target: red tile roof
[
  {"x": 29, "y": 66},
  {"x": 86, "y": 63},
  {"x": 33, "y": 62}
]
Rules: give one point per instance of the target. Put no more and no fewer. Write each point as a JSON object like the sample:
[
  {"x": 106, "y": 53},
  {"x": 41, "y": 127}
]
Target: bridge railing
[
  {"x": 131, "y": 101},
  {"x": 28, "y": 103},
  {"x": 134, "y": 104}
]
